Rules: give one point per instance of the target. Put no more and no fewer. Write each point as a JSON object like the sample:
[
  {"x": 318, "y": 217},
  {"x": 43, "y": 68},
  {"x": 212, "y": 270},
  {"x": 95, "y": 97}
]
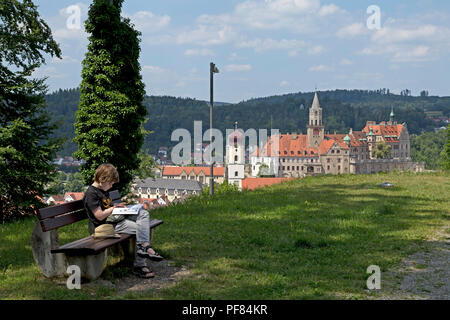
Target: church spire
[
  {"x": 392, "y": 115},
  {"x": 315, "y": 104}
]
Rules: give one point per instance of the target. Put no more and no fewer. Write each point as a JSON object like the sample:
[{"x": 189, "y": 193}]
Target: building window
[
  {"x": 328, "y": 160},
  {"x": 235, "y": 158},
  {"x": 339, "y": 160},
  {"x": 236, "y": 173},
  {"x": 284, "y": 168},
  {"x": 289, "y": 168},
  {"x": 328, "y": 167},
  {"x": 298, "y": 168}
]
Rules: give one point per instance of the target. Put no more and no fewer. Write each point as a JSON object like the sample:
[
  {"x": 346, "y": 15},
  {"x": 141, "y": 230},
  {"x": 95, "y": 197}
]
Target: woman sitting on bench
[{"x": 99, "y": 209}]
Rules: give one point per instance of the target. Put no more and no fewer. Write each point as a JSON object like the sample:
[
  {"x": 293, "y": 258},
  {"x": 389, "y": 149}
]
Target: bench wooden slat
[
  {"x": 89, "y": 245},
  {"x": 57, "y": 210},
  {"x": 63, "y": 220}
]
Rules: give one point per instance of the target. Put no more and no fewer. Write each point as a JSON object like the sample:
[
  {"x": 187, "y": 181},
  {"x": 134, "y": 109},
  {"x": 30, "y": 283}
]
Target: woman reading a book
[{"x": 99, "y": 208}]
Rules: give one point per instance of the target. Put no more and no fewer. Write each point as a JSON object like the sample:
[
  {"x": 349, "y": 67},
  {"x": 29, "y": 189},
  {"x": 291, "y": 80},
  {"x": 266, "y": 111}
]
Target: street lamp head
[{"x": 214, "y": 68}]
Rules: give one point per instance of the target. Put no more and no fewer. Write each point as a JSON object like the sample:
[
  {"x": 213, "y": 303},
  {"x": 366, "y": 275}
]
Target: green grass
[{"x": 304, "y": 239}]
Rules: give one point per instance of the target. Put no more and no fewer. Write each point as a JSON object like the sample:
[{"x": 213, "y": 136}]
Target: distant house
[
  {"x": 165, "y": 188},
  {"x": 163, "y": 152},
  {"x": 200, "y": 174},
  {"x": 73, "y": 196},
  {"x": 154, "y": 203},
  {"x": 54, "y": 200}
]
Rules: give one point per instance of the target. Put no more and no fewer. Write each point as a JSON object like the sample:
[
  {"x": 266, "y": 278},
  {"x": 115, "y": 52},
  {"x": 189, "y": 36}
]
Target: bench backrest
[{"x": 64, "y": 214}]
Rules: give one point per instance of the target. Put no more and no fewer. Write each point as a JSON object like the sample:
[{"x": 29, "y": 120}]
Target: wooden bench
[{"x": 88, "y": 253}]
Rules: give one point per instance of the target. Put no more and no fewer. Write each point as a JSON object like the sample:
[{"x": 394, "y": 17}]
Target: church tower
[
  {"x": 235, "y": 157},
  {"x": 316, "y": 130}
]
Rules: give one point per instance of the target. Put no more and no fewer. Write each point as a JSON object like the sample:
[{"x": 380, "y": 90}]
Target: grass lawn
[{"x": 304, "y": 239}]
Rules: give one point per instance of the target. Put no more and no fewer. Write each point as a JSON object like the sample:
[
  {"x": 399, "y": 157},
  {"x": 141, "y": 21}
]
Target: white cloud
[
  {"x": 148, "y": 22},
  {"x": 64, "y": 60},
  {"x": 396, "y": 35},
  {"x": 329, "y": 9},
  {"x": 315, "y": 50},
  {"x": 419, "y": 53},
  {"x": 198, "y": 52},
  {"x": 298, "y": 16},
  {"x": 205, "y": 35},
  {"x": 409, "y": 41},
  {"x": 238, "y": 67},
  {"x": 153, "y": 70},
  {"x": 346, "y": 62},
  {"x": 353, "y": 30},
  {"x": 318, "y": 68},
  {"x": 284, "y": 83},
  {"x": 260, "y": 45}
]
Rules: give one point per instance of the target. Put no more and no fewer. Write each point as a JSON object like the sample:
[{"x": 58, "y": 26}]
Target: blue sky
[{"x": 270, "y": 47}]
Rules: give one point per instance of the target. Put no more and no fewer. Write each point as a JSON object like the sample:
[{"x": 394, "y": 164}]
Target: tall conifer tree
[
  {"x": 109, "y": 120},
  {"x": 26, "y": 152}
]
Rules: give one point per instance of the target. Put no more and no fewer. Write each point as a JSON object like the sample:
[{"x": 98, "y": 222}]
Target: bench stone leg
[
  {"x": 91, "y": 266},
  {"x": 51, "y": 265},
  {"x": 125, "y": 250}
]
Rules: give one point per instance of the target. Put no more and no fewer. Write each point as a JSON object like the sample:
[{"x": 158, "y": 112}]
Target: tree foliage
[
  {"x": 428, "y": 148},
  {"x": 446, "y": 151},
  {"x": 25, "y": 148},
  {"x": 382, "y": 150},
  {"x": 111, "y": 113},
  {"x": 147, "y": 166}
]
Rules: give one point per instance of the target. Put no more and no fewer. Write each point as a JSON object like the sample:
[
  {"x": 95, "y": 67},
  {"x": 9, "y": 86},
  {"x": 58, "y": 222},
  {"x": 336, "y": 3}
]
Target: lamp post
[{"x": 213, "y": 69}]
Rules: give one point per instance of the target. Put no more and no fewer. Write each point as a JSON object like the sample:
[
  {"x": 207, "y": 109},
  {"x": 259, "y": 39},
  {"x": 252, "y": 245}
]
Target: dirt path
[
  {"x": 166, "y": 274},
  {"x": 423, "y": 275}
]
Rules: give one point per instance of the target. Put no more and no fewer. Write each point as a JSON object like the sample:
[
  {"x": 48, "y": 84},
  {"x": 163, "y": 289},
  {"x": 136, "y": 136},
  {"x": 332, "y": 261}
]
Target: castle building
[{"x": 319, "y": 153}]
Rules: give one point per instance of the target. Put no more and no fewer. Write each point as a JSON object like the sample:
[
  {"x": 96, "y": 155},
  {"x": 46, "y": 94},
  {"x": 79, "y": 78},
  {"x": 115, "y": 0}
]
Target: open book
[{"x": 134, "y": 209}]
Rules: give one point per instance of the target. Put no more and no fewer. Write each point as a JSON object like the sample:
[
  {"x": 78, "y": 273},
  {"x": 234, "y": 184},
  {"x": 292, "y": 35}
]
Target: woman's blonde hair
[{"x": 106, "y": 173}]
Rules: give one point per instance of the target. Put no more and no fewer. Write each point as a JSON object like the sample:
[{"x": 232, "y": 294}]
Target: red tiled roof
[
  {"x": 176, "y": 171},
  {"x": 75, "y": 195},
  {"x": 289, "y": 146},
  {"x": 255, "y": 183},
  {"x": 297, "y": 146},
  {"x": 325, "y": 145},
  {"x": 385, "y": 130},
  {"x": 58, "y": 198}
]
